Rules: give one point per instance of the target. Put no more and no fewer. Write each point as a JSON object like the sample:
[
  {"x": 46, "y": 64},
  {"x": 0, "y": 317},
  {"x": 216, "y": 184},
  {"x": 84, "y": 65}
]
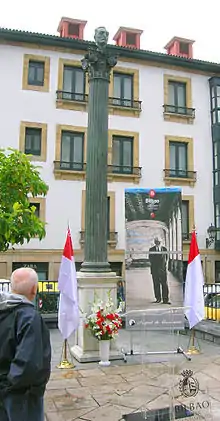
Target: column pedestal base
[
  {"x": 89, "y": 284},
  {"x": 92, "y": 356}
]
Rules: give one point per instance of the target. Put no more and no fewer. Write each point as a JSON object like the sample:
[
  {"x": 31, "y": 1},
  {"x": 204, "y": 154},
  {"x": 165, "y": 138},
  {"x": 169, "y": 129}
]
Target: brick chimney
[
  {"x": 71, "y": 28},
  {"x": 128, "y": 37},
  {"x": 181, "y": 47}
]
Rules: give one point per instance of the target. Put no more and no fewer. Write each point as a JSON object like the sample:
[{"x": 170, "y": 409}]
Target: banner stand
[
  {"x": 135, "y": 317},
  {"x": 169, "y": 390}
]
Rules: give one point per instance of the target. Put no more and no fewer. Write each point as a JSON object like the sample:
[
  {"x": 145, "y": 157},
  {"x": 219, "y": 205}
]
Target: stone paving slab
[
  {"x": 91, "y": 393},
  {"x": 97, "y": 394}
]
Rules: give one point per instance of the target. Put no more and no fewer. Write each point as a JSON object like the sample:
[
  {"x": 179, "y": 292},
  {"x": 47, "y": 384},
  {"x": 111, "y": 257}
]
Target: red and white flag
[
  {"x": 68, "y": 314},
  {"x": 194, "y": 296}
]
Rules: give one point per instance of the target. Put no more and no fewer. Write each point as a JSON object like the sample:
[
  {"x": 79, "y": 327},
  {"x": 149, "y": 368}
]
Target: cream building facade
[{"x": 160, "y": 134}]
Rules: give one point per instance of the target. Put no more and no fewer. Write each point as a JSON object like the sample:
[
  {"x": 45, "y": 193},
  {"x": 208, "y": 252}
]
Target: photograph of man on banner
[
  {"x": 158, "y": 258},
  {"x": 153, "y": 260}
]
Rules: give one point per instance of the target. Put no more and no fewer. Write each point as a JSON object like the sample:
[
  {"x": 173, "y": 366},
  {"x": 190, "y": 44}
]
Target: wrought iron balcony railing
[
  {"x": 69, "y": 166},
  {"x": 126, "y": 103},
  {"x": 112, "y": 238},
  {"x": 83, "y": 97},
  {"x": 124, "y": 169},
  {"x": 72, "y": 96},
  {"x": 175, "y": 173},
  {"x": 112, "y": 169},
  {"x": 175, "y": 109}
]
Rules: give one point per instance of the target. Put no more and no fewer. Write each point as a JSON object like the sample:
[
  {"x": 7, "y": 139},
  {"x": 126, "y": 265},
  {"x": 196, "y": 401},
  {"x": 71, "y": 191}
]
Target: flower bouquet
[
  {"x": 104, "y": 323},
  {"x": 104, "y": 320}
]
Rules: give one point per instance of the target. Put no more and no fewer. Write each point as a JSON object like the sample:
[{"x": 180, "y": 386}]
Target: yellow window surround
[
  {"x": 169, "y": 115},
  {"x": 191, "y": 174},
  {"x": 71, "y": 174},
  {"x": 120, "y": 110},
  {"x": 43, "y": 127},
  {"x": 112, "y": 242},
  {"x": 44, "y": 59},
  {"x": 83, "y": 105},
  {"x": 42, "y": 203},
  {"x": 72, "y": 104},
  {"x": 190, "y": 200},
  {"x": 65, "y": 174},
  {"x": 136, "y": 174}
]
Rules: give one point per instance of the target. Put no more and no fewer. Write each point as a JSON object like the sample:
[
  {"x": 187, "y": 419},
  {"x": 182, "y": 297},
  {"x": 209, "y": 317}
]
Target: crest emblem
[{"x": 188, "y": 386}]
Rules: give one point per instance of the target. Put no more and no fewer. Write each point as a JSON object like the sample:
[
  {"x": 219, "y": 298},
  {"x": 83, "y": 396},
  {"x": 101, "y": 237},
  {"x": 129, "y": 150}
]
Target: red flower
[
  {"x": 110, "y": 317},
  {"x": 86, "y": 325},
  {"x": 100, "y": 321},
  {"x": 108, "y": 329},
  {"x": 99, "y": 314}
]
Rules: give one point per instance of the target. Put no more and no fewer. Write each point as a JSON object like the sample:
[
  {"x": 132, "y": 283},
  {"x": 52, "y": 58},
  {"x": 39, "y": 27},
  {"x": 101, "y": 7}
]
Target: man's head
[
  {"x": 101, "y": 37},
  {"x": 157, "y": 241},
  {"x": 24, "y": 282}
]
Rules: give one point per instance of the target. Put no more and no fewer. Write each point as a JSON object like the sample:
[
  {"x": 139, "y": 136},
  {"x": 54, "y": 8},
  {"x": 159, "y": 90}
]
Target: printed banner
[{"x": 154, "y": 270}]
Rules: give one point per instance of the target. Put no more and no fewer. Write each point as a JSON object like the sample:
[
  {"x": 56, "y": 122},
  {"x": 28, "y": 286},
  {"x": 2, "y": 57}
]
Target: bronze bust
[{"x": 101, "y": 37}]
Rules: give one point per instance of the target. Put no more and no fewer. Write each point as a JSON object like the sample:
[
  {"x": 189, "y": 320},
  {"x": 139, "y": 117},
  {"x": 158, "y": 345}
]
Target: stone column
[
  {"x": 95, "y": 274},
  {"x": 98, "y": 63}
]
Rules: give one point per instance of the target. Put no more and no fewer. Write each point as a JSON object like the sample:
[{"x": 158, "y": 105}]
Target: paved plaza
[
  {"x": 91, "y": 393},
  {"x": 146, "y": 381}
]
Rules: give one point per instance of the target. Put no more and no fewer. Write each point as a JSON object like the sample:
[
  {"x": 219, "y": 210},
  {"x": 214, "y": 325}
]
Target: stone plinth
[{"x": 89, "y": 285}]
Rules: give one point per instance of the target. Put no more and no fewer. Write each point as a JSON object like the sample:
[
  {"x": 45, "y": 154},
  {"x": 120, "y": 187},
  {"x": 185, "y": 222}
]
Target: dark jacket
[
  {"x": 158, "y": 261},
  {"x": 25, "y": 352}
]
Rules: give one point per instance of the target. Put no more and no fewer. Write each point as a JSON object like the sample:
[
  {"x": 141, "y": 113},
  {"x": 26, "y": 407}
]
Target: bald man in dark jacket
[{"x": 25, "y": 351}]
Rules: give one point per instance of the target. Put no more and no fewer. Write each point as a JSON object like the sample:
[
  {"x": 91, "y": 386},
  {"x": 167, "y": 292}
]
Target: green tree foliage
[{"x": 19, "y": 182}]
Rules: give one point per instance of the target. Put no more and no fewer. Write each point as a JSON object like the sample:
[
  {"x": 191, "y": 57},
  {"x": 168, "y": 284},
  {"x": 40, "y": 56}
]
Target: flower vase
[{"x": 104, "y": 349}]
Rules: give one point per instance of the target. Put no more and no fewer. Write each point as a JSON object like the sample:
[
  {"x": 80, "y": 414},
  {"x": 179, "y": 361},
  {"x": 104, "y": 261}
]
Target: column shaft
[{"x": 96, "y": 178}]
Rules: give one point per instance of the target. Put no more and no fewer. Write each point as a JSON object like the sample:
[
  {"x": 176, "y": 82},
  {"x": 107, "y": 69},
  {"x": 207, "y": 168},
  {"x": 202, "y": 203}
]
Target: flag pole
[
  {"x": 192, "y": 349},
  {"x": 68, "y": 314},
  {"x": 64, "y": 363}
]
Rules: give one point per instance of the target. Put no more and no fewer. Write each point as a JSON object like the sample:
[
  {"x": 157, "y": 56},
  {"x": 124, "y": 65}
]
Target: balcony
[
  {"x": 70, "y": 100},
  {"x": 173, "y": 176},
  {"x": 72, "y": 96},
  {"x": 181, "y": 113},
  {"x": 124, "y": 173},
  {"x": 69, "y": 166},
  {"x": 126, "y": 103},
  {"x": 124, "y": 169},
  {"x": 64, "y": 170},
  {"x": 77, "y": 170},
  {"x": 180, "y": 174},
  {"x": 112, "y": 239}
]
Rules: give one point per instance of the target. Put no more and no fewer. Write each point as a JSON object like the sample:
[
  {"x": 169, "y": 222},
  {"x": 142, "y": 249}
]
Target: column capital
[{"x": 98, "y": 62}]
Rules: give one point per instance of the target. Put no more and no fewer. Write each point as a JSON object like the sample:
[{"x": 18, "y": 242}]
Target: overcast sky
[{"x": 160, "y": 20}]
